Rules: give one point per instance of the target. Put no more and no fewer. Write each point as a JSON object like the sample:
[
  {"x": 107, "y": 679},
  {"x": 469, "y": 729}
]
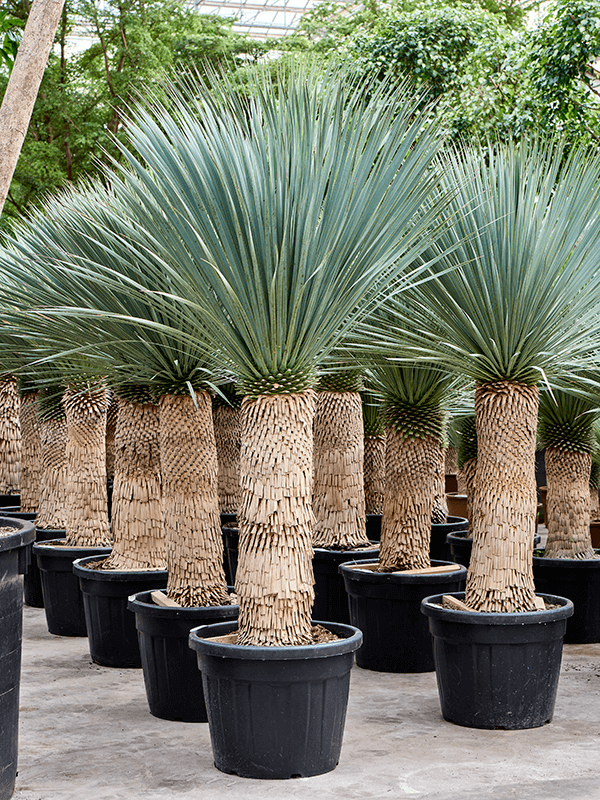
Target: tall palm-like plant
[
  {"x": 566, "y": 431},
  {"x": 522, "y": 307}
]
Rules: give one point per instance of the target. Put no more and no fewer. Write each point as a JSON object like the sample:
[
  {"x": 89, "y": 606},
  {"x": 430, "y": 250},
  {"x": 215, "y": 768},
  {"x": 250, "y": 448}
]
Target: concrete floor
[{"x": 86, "y": 733}]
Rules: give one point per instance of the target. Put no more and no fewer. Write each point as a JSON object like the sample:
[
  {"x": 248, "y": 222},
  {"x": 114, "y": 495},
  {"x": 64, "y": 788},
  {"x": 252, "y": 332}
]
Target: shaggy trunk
[
  {"x": 451, "y": 461},
  {"x": 461, "y": 482},
  {"x": 594, "y": 503},
  {"x": 439, "y": 512},
  {"x": 503, "y": 520},
  {"x": 275, "y": 577},
  {"x": 339, "y": 495},
  {"x": 137, "y": 522},
  {"x": 374, "y": 474},
  {"x": 410, "y": 479},
  {"x": 10, "y": 438},
  {"x": 469, "y": 471},
  {"x": 111, "y": 432},
  {"x": 87, "y": 508},
  {"x": 190, "y": 504},
  {"x": 31, "y": 453},
  {"x": 52, "y": 512},
  {"x": 568, "y": 504},
  {"x": 228, "y": 437}
]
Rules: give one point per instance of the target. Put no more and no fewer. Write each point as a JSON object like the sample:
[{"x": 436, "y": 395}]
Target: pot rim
[
  {"x": 327, "y": 554},
  {"x": 574, "y": 563},
  {"x": 139, "y": 606},
  {"x": 368, "y": 576},
  {"x": 80, "y": 568},
  {"x": 450, "y": 520},
  {"x": 206, "y": 647},
  {"x": 431, "y": 608},
  {"x": 24, "y": 533},
  {"x": 50, "y": 547}
]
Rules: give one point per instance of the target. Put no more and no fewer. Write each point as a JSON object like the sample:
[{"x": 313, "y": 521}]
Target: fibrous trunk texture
[
  {"x": 275, "y": 577},
  {"x": 439, "y": 511},
  {"x": 52, "y": 512},
  {"x": 190, "y": 504},
  {"x": 339, "y": 495},
  {"x": 374, "y": 474},
  {"x": 111, "y": 432},
  {"x": 87, "y": 508},
  {"x": 504, "y": 506},
  {"x": 228, "y": 436},
  {"x": 137, "y": 522},
  {"x": 594, "y": 503},
  {"x": 469, "y": 471},
  {"x": 10, "y": 438},
  {"x": 31, "y": 453},
  {"x": 410, "y": 477},
  {"x": 451, "y": 461},
  {"x": 461, "y": 482},
  {"x": 568, "y": 504}
]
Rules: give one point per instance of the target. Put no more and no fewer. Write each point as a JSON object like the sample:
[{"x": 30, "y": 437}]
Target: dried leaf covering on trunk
[
  {"x": 568, "y": 504},
  {"x": 31, "y": 453},
  {"x": 469, "y": 471},
  {"x": 410, "y": 477},
  {"x": 339, "y": 495},
  {"x": 10, "y": 437},
  {"x": 228, "y": 436},
  {"x": 274, "y": 580},
  {"x": 451, "y": 461},
  {"x": 87, "y": 508},
  {"x": 137, "y": 522},
  {"x": 111, "y": 431},
  {"x": 504, "y": 507},
  {"x": 374, "y": 474},
  {"x": 439, "y": 512},
  {"x": 594, "y": 503},
  {"x": 52, "y": 512},
  {"x": 190, "y": 504}
]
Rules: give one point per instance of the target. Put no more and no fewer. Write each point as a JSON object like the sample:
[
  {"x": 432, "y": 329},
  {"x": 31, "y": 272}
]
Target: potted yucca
[
  {"x": 330, "y": 182},
  {"x": 520, "y": 310}
]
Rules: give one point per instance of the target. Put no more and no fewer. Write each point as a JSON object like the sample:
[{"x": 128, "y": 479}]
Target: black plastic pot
[
  {"x": 494, "y": 670},
  {"x": 439, "y": 531},
  {"x": 10, "y": 500},
  {"x": 171, "y": 675},
  {"x": 111, "y": 630},
  {"x": 579, "y": 580},
  {"x": 331, "y": 599},
  {"x": 63, "y": 601},
  {"x": 386, "y": 606},
  {"x": 231, "y": 538},
  {"x": 14, "y": 549},
  {"x": 374, "y": 527},
  {"x": 32, "y": 585},
  {"x": 229, "y": 520},
  {"x": 275, "y": 712},
  {"x": 460, "y": 547}
]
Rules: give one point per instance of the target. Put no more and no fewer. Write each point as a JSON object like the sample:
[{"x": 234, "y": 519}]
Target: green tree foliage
[{"x": 10, "y": 36}]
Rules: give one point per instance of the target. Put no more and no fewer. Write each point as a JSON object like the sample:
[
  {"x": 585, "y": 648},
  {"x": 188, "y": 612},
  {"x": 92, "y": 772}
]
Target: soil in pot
[
  {"x": 497, "y": 670},
  {"x": 275, "y": 712},
  {"x": 331, "y": 599},
  {"x": 111, "y": 629},
  {"x": 14, "y": 545},
  {"x": 63, "y": 601},
  {"x": 579, "y": 580},
  {"x": 171, "y": 675},
  {"x": 386, "y": 607}
]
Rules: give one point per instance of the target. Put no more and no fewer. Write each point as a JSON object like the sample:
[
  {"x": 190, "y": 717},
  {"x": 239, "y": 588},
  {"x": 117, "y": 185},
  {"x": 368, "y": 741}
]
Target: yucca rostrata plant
[
  {"x": 228, "y": 438},
  {"x": 523, "y": 304},
  {"x": 415, "y": 422},
  {"x": 339, "y": 494},
  {"x": 10, "y": 436},
  {"x": 374, "y": 437},
  {"x": 595, "y": 475},
  {"x": 566, "y": 431}
]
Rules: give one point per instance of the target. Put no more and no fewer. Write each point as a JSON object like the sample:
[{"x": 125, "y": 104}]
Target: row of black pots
[
  {"x": 14, "y": 557},
  {"x": 459, "y": 545}
]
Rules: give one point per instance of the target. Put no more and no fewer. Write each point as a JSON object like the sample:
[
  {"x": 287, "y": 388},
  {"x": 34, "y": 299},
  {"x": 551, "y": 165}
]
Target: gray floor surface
[{"x": 86, "y": 733}]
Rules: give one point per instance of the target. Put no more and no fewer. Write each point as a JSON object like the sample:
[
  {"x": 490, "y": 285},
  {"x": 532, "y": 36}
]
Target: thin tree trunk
[
  {"x": 503, "y": 520},
  {"x": 87, "y": 506},
  {"x": 439, "y": 512},
  {"x": 339, "y": 495},
  {"x": 275, "y": 577},
  {"x": 10, "y": 438},
  {"x": 190, "y": 504},
  {"x": 21, "y": 91},
  {"x": 374, "y": 474},
  {"x": 228, "y": 438},
  {"x": 31, "y": 453},
  {"x": 568, "y": 504},
  {"x": 52, "y": 511},
  {"x": 410, "y": 470},
  {"x": 137, "y": 522}
]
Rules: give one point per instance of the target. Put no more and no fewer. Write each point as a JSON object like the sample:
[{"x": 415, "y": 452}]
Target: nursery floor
[{"x": 86, "y": 733}]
